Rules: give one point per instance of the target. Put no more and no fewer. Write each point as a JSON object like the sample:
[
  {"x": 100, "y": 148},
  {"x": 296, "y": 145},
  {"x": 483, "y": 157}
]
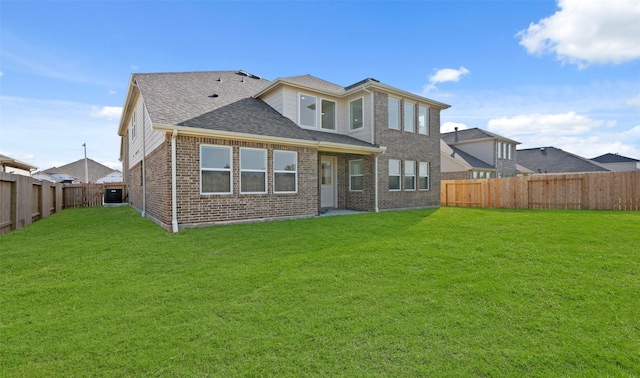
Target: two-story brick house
[
  {"x": 202, "y": 148},
  {"x": 477, "y": 153}
]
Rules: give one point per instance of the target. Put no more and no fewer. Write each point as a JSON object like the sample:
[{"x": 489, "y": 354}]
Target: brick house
[
  {"x": 202, "y": 148},
  {"x": 476, "y": 154}
]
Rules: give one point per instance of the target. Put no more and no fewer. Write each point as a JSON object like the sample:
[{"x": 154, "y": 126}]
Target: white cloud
[
  {"x": 584, "y": 32},
  {"x": 1, "y": 73},
  {"x": 450, "y": 126},
  {"x": 108, "y": 112},
  {"x": 544, "y": 124},
  {"x": 634, "y": 101},
  {"x": 444, "y": 75},
  {"x": 112, "y": 92}
]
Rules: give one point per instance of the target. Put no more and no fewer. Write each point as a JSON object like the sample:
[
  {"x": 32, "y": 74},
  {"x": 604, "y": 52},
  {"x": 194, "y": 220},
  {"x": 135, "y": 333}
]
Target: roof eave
[{"x": 320, "y": 145}]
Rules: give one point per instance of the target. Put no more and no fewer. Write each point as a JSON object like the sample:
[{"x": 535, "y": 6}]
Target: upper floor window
[
  {"x": 423, "y": 120},
  {"x": 409, "y": 120},
  {"x": 134, "y": 122},
  {"x": 215, "y": 169},
  {"x": 356, "y": 175},
  {"x": 253, "y": 170},
  {"x": 355, "y": 114},
  {"x": 307, "y": 110},
  {"x": 394, "y": 174},
  {"x": 394, "y": 113},
  {"x": 504, "y": 151},
  {"x": 328, "y": 114},
  {"x": 285, "y": 171}
]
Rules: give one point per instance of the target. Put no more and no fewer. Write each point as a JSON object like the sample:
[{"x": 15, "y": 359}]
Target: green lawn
[{"x": 446, "y": 292}]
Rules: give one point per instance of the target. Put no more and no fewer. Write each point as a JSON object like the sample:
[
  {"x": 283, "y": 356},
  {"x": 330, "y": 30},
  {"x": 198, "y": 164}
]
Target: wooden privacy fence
[
  {"x": 24, "y": 200},
  {"x": 592, "y": 191}
]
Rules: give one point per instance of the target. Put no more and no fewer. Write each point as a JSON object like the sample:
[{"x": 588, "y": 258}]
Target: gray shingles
[
  {"x": 471, "y": 160},
  {"x": 469, "y": 135},
  {"x": 614, "y": 158},
  {"x": 183, "y": 99},
  {"x": 555, "y": 160}
]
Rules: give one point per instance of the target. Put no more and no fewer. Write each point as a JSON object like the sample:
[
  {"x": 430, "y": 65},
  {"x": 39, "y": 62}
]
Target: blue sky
[{"x": 544, "y": 73}]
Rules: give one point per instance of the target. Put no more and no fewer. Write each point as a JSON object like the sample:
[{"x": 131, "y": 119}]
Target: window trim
[
  {"x": 422, "y": 174},
  {"x": 351, "y": 128},
  {"x": 230, "y": 169},
  {"x": 399, "y": 175},
  {"x": 315, "y": 114},
  {"x": 426, "y": 130},
  {"x": 389, "y": 114},
  {"x": 351, "y": 175},
  {"x": 134, "y": 123},
  {"x": 280, "y": 171},
  {"x": 266, "y": 169},
  {"x": 412, "y": 129}
]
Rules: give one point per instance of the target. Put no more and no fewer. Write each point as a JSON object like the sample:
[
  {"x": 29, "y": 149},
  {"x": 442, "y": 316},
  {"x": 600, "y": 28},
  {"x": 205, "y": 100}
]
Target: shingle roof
[
  {"x": 76, "y": 170},
  {"x": 471, "y": 160},
  {"x": 471, "y": 134},
  {"x": 614, "y": 158},
  {"x": 314, "y": 82},
  {"x": 183, "y": 99},
  {"x": 555, "y": 160}
]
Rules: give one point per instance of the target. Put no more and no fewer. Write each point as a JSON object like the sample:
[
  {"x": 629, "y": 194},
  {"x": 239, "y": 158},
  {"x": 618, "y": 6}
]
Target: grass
[{"x": 446, "y": 292}]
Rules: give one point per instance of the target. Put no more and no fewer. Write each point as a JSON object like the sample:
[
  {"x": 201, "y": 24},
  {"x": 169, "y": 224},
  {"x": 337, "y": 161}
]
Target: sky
[{"x": 544, "y": 73}]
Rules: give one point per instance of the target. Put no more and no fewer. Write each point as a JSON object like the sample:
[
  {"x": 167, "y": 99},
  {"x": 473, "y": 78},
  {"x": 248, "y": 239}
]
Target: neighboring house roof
[
  {"x": 614, "y": 158},
  {"x": 473, "y": 134},
  {"x": 555, "y": 160},
  {"x": 9, "y": 162},
  {"x": 115, "y": 176},
  {"x": 314, "y": 82},
  {"x": 184, "y": 99},
  {"x": 468, "y": 161},
  {"x": 523, "y": 170},
  {"x": 76, "y": 171}
]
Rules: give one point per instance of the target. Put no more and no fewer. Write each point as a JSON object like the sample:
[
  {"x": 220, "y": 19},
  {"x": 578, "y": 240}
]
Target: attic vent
[
  {"x": 213, "y": 95},
  {"x": 244, "y": 73}
]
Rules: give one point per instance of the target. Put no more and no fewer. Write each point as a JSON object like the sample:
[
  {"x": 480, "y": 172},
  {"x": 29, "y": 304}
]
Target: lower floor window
[
  {"x": 285, "y": 171},
  {"x": 356, "y": 175},
  {"x": 409, "y": 175},
  {"x": 423, "y": 178},
  {"x": 253, "y": 170},
  {"x": 394, "y": 174}
]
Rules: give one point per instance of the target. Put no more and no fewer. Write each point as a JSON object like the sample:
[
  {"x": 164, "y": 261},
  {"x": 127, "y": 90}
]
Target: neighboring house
[
  {"x": 202, "y": 148},
  {"x": 555, "y": 160},
  {"x": 615, "y": 162},
  {"x": 11, "y": 165},
  {"x": 476, "y": 153},
  {"x": 75, "y": 173}
]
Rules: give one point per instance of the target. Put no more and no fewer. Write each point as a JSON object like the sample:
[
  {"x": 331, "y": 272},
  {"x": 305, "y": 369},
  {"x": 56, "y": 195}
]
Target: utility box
[{"x": 112, "y": 195}]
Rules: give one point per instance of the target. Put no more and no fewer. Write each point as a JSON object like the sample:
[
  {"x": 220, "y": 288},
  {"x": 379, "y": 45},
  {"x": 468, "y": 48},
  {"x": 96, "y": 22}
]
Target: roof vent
[
  {"x": 213, "y": 95},
  {"x": 219, "y": 78},
  {"x": 455, "y": 138},
  {"x": 247, "y": 74}
]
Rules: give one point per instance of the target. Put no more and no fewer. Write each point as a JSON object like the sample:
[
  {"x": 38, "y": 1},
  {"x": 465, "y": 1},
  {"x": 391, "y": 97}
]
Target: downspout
[
  {"x": 373, "y": 141},
  {"x": 144, "y": 160},
  {"x": 174, "y": 187}
]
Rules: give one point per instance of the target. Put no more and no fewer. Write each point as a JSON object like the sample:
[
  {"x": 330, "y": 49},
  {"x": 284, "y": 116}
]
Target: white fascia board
[
  {"x": 402, "y": 93},
  {"x": 323, "y": 146}
]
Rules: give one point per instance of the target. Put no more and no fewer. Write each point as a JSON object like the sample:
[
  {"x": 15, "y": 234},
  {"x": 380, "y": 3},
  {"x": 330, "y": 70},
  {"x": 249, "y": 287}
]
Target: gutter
[
  {"x": 323, "y": 146},
  {"x": 174, "y": 186}
]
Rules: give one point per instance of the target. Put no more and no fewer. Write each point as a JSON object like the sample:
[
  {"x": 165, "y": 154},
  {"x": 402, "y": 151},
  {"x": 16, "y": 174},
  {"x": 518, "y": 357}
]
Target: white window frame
[
  {"x": 407, "y": 174},
  {"x": 389, "y": 114},
  {"x": 295, "y": 172},
  {"x": 266, "y": 162},
  {"x": 424, "y": 172},
  {"x": 424, "y": 131},
  {"x": 133, "y": 125},
  {"x": 315, "y": 113},
  {"x": 409, "y": 125},
  {"x": 351, "y": 175},
  {"x": 509, "y": 148},
  {"x": 230, "y": 169},
  {"x": 361, "y": 99},
  {"x": 399, "y": 175},
  {"x": 499, "y": 150},
  {"x": 335, "y": 114}
]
